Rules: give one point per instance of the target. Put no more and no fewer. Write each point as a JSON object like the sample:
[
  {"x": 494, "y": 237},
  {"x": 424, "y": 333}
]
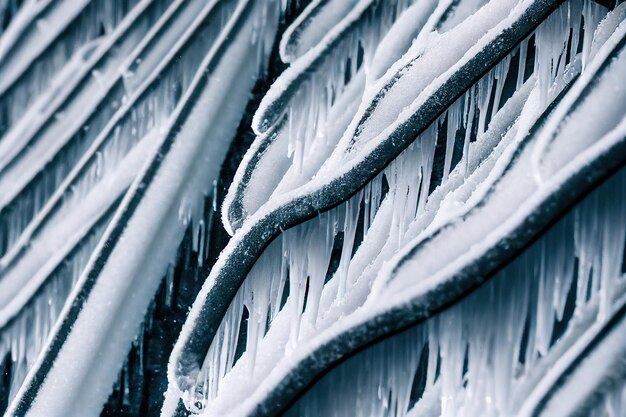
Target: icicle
[
  {"x": 592, "y": 15},
  {"x": 469, "y": 112},
  {"x": 475, "y": 345},
  {"x": 521, "y": 66},
  {"x": 427, "y": 146},
  {"x": 25, "y": 333},
  {"x": 318, "y": 254},
  {"x": 455, "y": 122},
  {"x": 500, "y": 72}
]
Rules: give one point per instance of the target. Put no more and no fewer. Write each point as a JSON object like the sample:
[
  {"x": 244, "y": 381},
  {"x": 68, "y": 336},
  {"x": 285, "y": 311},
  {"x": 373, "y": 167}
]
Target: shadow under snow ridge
[{"x": 306, "y": 202}]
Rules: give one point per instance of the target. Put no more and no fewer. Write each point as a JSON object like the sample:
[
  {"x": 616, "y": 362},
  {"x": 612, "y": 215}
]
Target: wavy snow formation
[{"x": 313, "y": 208}]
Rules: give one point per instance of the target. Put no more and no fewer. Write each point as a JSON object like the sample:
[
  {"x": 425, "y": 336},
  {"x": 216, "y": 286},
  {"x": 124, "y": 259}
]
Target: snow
[
  {"x": 44, "y": 49},
  {"x": 400, "y": 242},
  {"x": 300, "y": 325},
  {"x": 110, "y": 130},
  {"x": 310, "y": 27},
  {"x": 101, "y": 334}
]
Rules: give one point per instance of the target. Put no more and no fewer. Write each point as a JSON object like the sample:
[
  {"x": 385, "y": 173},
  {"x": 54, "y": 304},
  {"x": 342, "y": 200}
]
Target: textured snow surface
[
  {"x": 389, "y": 219},
  {"x": 429, "y": 219}
]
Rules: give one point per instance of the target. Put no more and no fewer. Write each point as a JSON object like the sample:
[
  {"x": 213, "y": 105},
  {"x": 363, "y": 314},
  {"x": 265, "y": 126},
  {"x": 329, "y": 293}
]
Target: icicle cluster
[
  {"x": 22, "y": 336},
  {"x": 106, "y": 137},
  {"x": 484, "y": 355},
  {"x": 66, "y": 167},
  {"x": 323, "y": 269},
  {"x": 332, "y": 70},
  {"x": 83, "y": 31}
]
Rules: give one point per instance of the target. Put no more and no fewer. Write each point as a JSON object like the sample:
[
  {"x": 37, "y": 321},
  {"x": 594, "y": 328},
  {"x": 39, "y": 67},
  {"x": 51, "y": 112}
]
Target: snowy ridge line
[
  {"x": 20, "y": 20},
  {"x": 572, "y": 99},
  {"x": 292, "y": 45},
  {"x": 311, "y": 361},
  {"x": 118, "y": 123},
  {"x": 371, "y": 326},
  {"x": 305, "y": 203},
  {"x": 274, "y": 103},
  {"x": 42, "y": 299},
  {"x": 24, "y": 84},
  {"x": 601, "y": 360},
  {"x": 57, "y": 97},
  {"x": 289, "y": 385},
  {"x": 240, "y": 29},
  {"x": 302, "y": 95}
]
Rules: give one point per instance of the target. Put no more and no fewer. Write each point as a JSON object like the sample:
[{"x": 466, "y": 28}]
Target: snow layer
[
  {"x": 244, "y": 362},
  {"x": 149, "y": 225}
]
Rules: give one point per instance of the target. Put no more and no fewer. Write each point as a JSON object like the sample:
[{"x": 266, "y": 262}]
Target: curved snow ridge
[
  {"x": 234, "y": 207},
  {"x": 388, "y": 314},
  {"x": 584, "y": 379},
  {"x": 35, "y": 73},
  {"x": 601, "y": 74},
  {"x": 276, "y": 101},
  {"x": 293, "y": 208},
  {"x": 126, "y": 256},
  {"x": 267, "y": 170},
  {"x": 315, "y": 21},
  {"x": 90, "y": 78},
  {"x": 121, "y": 128}
]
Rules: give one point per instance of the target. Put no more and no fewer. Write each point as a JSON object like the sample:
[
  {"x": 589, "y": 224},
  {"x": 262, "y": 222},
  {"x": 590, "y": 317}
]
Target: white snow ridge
[{"x": 313, "y": 208}]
